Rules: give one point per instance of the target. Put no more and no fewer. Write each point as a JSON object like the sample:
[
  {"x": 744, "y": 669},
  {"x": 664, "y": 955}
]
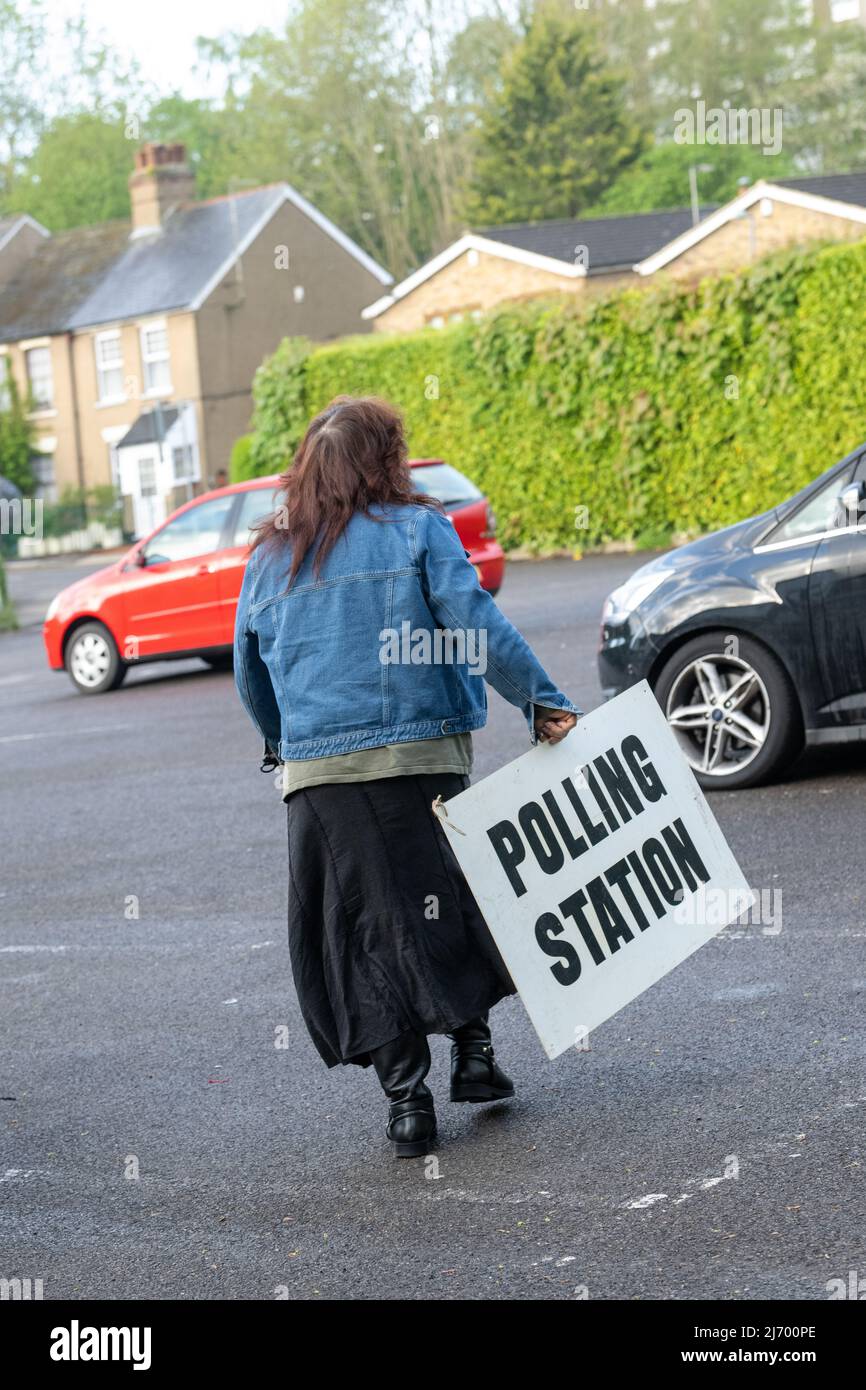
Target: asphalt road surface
[{"x": 157, "y": 1144}]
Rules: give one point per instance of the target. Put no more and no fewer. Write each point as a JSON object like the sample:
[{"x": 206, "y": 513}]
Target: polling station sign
[{"x": 592, "y": 861}]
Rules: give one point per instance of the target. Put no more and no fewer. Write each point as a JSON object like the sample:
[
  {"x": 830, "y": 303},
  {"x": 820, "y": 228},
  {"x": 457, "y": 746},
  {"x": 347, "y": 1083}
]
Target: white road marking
[
  {"x": 64, "y": 733},
  {"x": 16, "y": 1174},
  {"x": 28, "y": 950},
  {"x": 700, "y": 1184}
]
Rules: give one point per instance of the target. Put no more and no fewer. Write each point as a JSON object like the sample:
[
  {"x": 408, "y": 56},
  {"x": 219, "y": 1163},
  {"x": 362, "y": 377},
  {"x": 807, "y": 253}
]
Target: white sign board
[{"x": 597, "y": 864}]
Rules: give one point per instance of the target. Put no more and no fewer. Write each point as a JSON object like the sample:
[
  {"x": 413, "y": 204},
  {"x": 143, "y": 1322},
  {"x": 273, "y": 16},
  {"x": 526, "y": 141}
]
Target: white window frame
[
  {"x": 187, "y": 477},
  {"x": 39, "y": 407},
  {"x": 149, "y": 359},
  {"x": 104, "y": 397}
]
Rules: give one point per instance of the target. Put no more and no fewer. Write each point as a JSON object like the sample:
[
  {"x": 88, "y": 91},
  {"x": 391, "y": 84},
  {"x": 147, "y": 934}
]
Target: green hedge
[
  {"x": 650, "y": 412},
  {"x": 241, "y": 467}
]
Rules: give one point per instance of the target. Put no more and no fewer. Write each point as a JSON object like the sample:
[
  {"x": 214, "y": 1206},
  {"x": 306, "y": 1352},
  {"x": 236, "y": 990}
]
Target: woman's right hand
[{"x": 552, "y": 725}]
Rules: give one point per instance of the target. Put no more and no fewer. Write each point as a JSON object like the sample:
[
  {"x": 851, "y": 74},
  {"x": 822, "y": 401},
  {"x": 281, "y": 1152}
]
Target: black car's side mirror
[{"x": 850, "y": 508}]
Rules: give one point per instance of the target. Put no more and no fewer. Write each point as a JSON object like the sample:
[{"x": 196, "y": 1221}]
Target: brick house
[
  {"x": 593, "y": 255},
  {"x": 138, "y": 341},
  {"x": 766, "y": 217},
  {"x": 524, "y": 261}
]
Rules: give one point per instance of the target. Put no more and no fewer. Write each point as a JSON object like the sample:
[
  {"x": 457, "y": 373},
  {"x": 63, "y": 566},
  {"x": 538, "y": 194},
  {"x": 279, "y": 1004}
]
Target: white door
[{"x": 148, "y": 506}]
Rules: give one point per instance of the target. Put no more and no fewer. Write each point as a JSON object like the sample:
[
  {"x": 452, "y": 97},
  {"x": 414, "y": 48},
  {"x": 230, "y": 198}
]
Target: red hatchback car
[{"x": 174, "y": 593}]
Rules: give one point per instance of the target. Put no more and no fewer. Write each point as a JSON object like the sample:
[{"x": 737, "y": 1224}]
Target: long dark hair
[{"x": 352, "y": 457}]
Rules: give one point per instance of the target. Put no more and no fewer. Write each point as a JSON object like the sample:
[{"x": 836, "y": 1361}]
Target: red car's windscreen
[{"x": 444, "y": 483}]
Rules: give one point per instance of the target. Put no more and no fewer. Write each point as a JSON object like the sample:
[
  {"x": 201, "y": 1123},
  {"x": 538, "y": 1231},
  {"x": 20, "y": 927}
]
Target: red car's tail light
[{"x": 490, "y": 524}]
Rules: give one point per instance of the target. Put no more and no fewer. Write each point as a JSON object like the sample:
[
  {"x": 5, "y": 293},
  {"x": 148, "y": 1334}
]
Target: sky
[{"x": 162, "y": 33}]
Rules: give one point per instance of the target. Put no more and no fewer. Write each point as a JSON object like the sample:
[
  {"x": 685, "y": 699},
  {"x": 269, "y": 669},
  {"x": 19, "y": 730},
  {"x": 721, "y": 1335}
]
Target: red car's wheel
[{"x": 92, "y": 660}]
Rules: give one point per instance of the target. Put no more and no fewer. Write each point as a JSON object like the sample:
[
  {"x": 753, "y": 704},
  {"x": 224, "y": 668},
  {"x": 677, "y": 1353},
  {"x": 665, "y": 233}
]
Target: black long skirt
[{"x": 384, "y": 933}]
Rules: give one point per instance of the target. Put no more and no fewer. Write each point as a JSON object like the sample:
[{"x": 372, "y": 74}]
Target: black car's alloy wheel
[{"x": 732, "y": 709}]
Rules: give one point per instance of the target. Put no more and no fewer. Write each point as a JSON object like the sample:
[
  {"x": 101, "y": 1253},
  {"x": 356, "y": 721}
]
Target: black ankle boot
[
  {"x": 475, "y": 1075},
  {"x": 401, "y": 1066}
]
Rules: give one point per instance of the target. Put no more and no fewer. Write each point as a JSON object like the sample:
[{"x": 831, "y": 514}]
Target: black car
[{"x": 754, "y": 638}]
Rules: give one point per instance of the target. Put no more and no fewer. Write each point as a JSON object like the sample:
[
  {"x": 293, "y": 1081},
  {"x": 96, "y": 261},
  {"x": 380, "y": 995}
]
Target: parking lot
[{"x": 157, "y": 1144}]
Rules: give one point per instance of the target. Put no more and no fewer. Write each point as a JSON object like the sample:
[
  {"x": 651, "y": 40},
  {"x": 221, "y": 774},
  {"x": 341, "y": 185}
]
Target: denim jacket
[{"x": 391, "y": 642}]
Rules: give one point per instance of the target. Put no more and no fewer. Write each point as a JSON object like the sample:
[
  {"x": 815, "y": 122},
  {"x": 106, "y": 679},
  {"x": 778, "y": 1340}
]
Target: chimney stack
[{"x": 160, "y": 181}]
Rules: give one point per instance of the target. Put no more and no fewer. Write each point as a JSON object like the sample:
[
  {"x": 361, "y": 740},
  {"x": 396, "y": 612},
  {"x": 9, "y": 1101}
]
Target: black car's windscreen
[
  {"x": 444, "y": 483},
  {"x": 816, "y": 516}
]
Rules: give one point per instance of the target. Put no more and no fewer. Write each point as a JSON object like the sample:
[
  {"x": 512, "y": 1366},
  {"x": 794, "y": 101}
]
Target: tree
[
  {"x": 68, "y": 102},
  {"x": 17, "y": 439},
  {"x": 741, "y": 53},
  {"x": 660, "y": 178},
  {"x": 825, "y": 114},
  {"x": 776, "y": 54},
  {"x": 556, "y": 135},
  {"x": 78, "y": 173},
  {"x": 366, "y": 109},
  {"x": 22, "y": 41}
]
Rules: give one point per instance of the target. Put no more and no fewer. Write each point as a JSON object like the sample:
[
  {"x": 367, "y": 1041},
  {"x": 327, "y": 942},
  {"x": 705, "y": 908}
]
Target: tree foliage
[
  {"x": 403, "y": 120},
  {"x": 556, "y": 134},
  {"x": 78, "y": 174},
  {"x": 17, "y": 436},
  {"x": 660, "y": 178}
]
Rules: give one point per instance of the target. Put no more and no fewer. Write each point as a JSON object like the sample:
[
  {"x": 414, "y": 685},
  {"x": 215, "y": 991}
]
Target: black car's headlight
[{"x": 631, "y": 595}]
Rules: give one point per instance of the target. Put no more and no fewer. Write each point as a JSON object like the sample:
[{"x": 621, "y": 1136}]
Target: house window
[
  {"x": 183, "y": 462},
  {"x": 155, "y": 358},
  {"x": 109, "y": 366},
  {"x": 42, "y": 467},
  {"x": 40, "y": 377},
  {"x": 5, "y": 388}
]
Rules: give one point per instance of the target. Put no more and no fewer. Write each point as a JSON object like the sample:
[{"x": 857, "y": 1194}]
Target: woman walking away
[{"x": 387, "y": 943}]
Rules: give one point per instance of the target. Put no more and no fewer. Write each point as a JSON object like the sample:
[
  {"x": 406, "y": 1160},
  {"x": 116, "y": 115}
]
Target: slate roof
[
  {"x": 94, "y": 275},
  {"x": 146, "y": 429},
  {"x": 847, "y": 188},
  {"x": 54, "y": 281},
  {"x": 610, "y": 241},
  {"x": 623, "y": 241},
  {"x": 168, "y": 269}
]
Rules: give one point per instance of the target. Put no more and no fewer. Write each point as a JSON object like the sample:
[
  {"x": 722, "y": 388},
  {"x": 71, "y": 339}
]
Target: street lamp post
[{"x": 694, "y": 170}]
